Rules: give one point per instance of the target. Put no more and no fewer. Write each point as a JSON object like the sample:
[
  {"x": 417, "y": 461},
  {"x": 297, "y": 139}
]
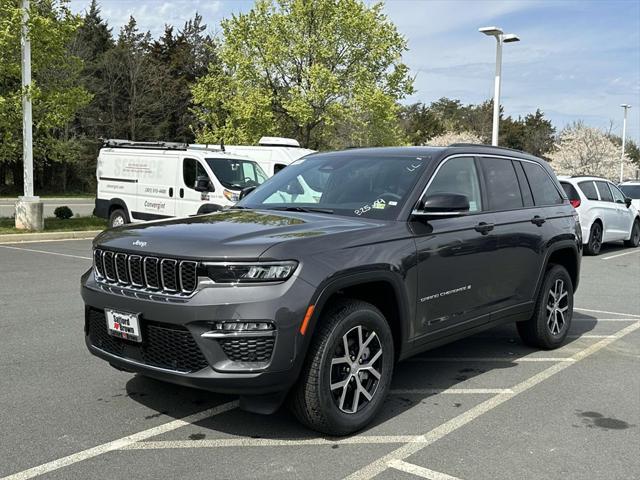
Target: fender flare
[
  {"x": 118, "y": 202},
  {"x": 562, "y": 245}
]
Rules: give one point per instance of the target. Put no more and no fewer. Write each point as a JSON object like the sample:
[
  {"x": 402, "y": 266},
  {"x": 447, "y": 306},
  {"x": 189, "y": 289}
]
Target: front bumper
[{"x": 174, "y": 350}]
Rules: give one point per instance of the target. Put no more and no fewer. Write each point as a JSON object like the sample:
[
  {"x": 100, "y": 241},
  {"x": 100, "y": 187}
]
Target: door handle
[
  {"x": 182, "y": 193},
  {"x": 538, "y": 220},
  {"x": 484, "y": 227},
  {"x": 171, "y": 191}
]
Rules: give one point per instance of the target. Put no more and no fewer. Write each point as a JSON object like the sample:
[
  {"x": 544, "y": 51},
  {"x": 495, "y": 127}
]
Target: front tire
[
  {"x": 634, "y": 240},
  {"x": 118, "y": 218},
  {"x": 347, "y": 373},
  {"x": 551, "y": 320},
  {"x": 594, "y": 244}
]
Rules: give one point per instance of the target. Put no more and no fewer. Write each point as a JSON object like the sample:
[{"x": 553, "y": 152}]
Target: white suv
[
  {"x": 606, "y": 214},
  {"x": 632, "y": 190}
]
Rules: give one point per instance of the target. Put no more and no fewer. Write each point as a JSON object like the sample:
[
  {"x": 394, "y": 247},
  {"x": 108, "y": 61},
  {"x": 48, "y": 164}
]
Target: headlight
[
  {"x": 231, "y": 196},
  {"x": 250, "y": 272}
]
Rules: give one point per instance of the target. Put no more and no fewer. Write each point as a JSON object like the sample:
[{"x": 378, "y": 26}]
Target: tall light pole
[
  {"x": 624, "y": 139},
  {"x": 501, "y": 38},
  {"x": 28, "y": 207}
]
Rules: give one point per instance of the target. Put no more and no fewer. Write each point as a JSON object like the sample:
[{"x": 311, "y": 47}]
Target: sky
[{"x": 577, "y": 59}]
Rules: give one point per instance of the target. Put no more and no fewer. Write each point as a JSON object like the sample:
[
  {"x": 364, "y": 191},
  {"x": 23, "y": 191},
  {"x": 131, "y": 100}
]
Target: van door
[
  {"x": 155, "y": 198},
  {"x": 189, "y": 199},
  {"x": 612, "y": 221},
  {"x": 626, "y": 216}
]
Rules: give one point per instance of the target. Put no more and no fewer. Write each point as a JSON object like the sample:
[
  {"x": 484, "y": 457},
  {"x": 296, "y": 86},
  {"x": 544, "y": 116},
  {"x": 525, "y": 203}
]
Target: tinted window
[
  {"x": 543, "y": 189},
  {"x": 570, "y": 190},
  {"x": 631, "y": 191},
  {"x": 346, "y": 184},
  {"x": 618, "y": 196},
  {"x": 605, "y": 193},
  {"x": 525, "y": 189},
  {"x": 503, "y": 191},
  {"x": 191, "y": 169},
  {"x": 237, "y": 174},
  {"x": 277, "y": 167},
  {"x": 589, "y": 190},
  {"x": 458, "y": 175}
]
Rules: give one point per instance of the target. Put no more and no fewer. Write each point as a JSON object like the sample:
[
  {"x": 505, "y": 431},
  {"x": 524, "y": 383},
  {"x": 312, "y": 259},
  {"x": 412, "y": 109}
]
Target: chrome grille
[{"x": 162, "y": 275}]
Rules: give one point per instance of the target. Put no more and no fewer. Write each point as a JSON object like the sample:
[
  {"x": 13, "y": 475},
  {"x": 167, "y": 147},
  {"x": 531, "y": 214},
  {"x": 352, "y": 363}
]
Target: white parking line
[
  {"x": 590, "y": 336},
  {"x": 620, "y": 255},
  {"x": 380, "y": 465},
  {"x": 490, "y": 359},
  {"x": 272, "y": 442},
  {"x": 448, "y": 391},
  {"x": 419, "y": 471},
  {"x": 44, "y": 251},
  {"x": 609, "y": 313},
  {"x": 121, "y": 442},
  {"x": 604, "y": 320}
]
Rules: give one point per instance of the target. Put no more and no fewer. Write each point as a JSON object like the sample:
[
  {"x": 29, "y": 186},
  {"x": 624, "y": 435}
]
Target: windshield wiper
[
  {"x": 303, "y": 209},
  {"x": 238, "y": 207}
]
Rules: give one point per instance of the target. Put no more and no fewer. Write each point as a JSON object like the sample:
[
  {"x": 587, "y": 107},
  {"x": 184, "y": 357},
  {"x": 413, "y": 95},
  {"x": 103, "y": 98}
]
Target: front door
[
  {"x": 455, "y": 255},
  {"x": 189, "y": 200}
]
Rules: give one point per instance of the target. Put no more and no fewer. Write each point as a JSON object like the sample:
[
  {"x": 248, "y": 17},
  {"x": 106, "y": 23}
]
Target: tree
[
  {"x": 583, "y": 150},
  {"x": 55, "y": 92},
  {"x": 326, "y": 72},
  {"x": 450, "y": 138},
  {"x": 420, "y": 123}
]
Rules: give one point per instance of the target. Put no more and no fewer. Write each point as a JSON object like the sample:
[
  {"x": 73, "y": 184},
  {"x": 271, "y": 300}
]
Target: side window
[
  {"x": 618, "y": 196},
  {"x": 503, "y": 191},
  {"x": 589, "y": 190},
  {"x": 525, "y": 189},
  {"x": 277, "y": 167},
  {"x": 192, "y": 169},
  {"x": 458, "y": 175},
  {"x": 605, "y": 193},
  {"x": 543, "y": 189}
]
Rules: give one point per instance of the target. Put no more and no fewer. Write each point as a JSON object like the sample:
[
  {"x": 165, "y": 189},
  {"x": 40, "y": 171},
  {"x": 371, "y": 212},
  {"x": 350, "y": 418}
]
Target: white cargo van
[
  {"x": 271, "y": 153},
  {"x": 152, "y": 180}
]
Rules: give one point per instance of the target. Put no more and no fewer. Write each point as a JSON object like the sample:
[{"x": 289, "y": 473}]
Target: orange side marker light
[{"x": 307, "y": 317}]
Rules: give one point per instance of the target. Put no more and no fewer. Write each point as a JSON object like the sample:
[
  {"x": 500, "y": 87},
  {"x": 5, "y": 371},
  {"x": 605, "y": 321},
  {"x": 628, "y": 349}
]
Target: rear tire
[
  {"x": 336, "y": 393},
  {"x": 118, "y": 218},
  {"x": 634, "y": 240},
  {"x": 594, "y": 244},
  {"x": 548, "y": 327}
]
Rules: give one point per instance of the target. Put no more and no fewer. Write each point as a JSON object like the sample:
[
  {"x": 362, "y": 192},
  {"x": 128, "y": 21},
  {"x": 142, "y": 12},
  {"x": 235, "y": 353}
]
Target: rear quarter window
[
  {"x": 542, "y": 186},
  {"x": 570, "y": 190}
]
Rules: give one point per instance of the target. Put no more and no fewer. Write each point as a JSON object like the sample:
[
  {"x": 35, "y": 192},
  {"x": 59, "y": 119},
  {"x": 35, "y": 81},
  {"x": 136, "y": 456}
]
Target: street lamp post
[
  {"x": 624, "y": 139},
  {"x": 501, "y": 38}
]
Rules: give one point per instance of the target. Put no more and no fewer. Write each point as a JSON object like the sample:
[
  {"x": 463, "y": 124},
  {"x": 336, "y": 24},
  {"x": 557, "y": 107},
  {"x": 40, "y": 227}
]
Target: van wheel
[
  {"x": 549, "y": 326},
  {"x": 594, "y": 244},
  {"x": 634, "y": 240},
  {"x": 347, "y": 372},
  {"x": 118, "y": 218}
]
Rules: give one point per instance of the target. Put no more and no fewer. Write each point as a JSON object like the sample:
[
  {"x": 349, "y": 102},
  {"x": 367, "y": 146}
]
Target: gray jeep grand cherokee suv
[{"x": 319, "y": 281}]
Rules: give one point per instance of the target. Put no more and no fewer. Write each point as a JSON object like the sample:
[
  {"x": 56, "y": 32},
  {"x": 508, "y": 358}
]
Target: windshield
[
  {"x": 631, "y": 191},
  {"x": 237, "y": 174},
  {"x": 344, "y": 184}
]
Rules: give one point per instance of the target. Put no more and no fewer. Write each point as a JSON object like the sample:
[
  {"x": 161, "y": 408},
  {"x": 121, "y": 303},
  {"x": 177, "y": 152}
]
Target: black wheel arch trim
[
  {"x": 560, "y": 245},
  {"x": 116, "y": 202}
]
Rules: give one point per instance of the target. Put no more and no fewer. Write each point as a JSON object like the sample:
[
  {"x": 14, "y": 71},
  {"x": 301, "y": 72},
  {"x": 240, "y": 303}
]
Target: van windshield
[{"x": 237, "y": 174}]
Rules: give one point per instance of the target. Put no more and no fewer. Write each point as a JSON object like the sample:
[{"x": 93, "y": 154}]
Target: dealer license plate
[{"x": 123, "y": 325}]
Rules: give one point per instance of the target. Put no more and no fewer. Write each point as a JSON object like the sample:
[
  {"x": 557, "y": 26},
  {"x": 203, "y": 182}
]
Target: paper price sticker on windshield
[{"x": 379, "y": 204}]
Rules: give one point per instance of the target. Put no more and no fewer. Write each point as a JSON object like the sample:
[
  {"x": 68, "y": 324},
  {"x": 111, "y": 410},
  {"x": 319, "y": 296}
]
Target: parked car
[
  {"x": 315, "y": 298},
  {"x": 154, "y": 180},
  {"x": 606, "y": 214},
  {"x": 272, "y": 153},
  {"x": 632, "y": 190}
]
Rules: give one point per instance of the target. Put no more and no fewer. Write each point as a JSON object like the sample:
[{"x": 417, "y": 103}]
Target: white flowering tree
[
  {"x": 583, "y": 150},
  {"x": 448, "y": 138}
]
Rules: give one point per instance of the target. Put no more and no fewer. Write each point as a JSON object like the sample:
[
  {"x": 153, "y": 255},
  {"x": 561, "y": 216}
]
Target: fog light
[{"x": 243, "y": 326}]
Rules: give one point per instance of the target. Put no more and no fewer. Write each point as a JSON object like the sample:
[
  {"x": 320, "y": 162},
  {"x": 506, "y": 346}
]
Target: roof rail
[
  {"x": 119, "y": 143},
  {"x": 207, "y": 146},
  {"x": 487, "y": 146}
]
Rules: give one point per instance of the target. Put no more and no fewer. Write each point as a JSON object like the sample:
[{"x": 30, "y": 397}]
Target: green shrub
[{"x": 63, "y": 213}]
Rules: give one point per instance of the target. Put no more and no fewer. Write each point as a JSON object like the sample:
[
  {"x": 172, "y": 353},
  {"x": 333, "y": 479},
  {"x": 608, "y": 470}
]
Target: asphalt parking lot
[{"x": 486, "y": 407}]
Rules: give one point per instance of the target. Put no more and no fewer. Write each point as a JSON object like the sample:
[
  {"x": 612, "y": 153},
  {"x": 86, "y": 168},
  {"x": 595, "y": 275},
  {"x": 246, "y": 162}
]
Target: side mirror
[
  {"x": 203, "y": 184},
  {"x": 246, "y": 191},
  {"x": 294, "y": 188},
  {"x": 443, "y": 205},
  {"x": 627, "y": 202}
]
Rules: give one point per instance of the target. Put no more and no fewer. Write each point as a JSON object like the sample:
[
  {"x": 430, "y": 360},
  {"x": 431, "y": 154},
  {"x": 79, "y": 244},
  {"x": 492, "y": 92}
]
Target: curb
[{"x": 44, "y": 236}]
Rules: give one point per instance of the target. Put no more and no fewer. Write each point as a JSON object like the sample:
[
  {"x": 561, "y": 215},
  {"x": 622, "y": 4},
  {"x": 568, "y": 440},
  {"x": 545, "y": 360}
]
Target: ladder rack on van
[{"x": 118, "y": 143}]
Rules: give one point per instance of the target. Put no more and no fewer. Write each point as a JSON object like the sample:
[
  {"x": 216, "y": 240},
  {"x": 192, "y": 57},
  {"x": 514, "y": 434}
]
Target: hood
[{"x": 231, "y": 234}]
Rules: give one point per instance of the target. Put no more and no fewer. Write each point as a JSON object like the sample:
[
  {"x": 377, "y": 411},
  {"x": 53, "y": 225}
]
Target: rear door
[{"x": 611, "y": 218}]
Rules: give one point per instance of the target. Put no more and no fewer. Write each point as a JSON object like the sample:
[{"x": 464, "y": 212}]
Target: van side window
[
  {"x": 605, "y": 193},
  {"x": 589, "y": 189},
  {"x": 503, "y": 191},
  {"x": 277, "y": 167},
  {"x": 458, "y": 175},
  {"x": 192, "y": 169},
  {"x": 543, "y": 189}
]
